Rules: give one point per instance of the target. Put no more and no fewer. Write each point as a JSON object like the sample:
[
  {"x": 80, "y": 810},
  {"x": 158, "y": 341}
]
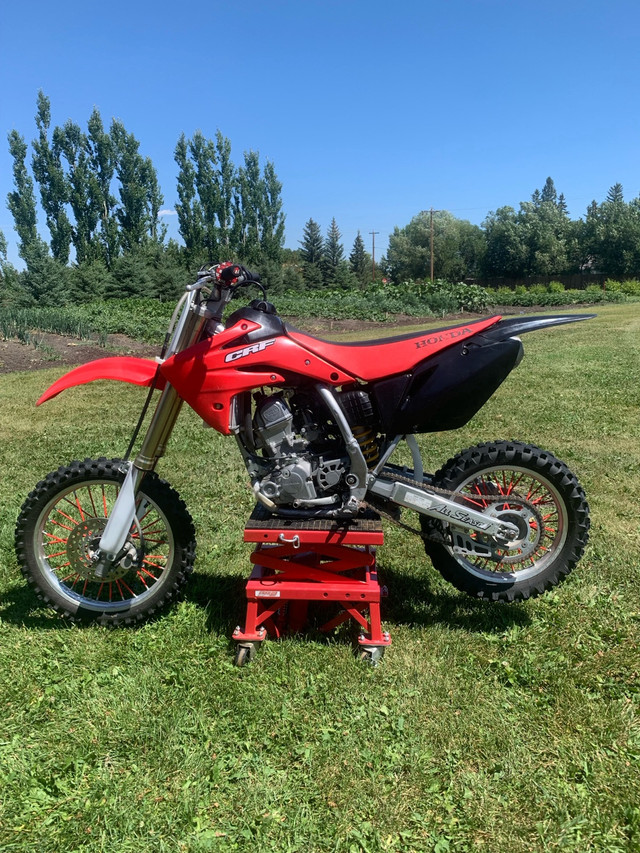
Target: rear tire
[
  {"x": 541, "y": 494},
  {"x": 60, "y": 525}
]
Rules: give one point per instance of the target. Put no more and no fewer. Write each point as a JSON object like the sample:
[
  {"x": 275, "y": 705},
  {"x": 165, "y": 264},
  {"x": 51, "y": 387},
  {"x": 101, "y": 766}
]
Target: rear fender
[
  {"x": 511, "y": 327},
  {"x": 136, "y": 371}
]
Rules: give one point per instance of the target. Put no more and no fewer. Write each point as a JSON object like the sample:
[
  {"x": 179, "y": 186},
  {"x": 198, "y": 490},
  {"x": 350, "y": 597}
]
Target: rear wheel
[
  {"x": 59, "y": 529},
  {"x": 527, "y": 487}
]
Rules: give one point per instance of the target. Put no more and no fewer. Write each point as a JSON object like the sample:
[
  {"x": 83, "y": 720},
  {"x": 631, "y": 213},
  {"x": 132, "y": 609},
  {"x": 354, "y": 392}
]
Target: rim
[
  {"x": 534, "y": 504},
  {"x": 69, "y": 529}
]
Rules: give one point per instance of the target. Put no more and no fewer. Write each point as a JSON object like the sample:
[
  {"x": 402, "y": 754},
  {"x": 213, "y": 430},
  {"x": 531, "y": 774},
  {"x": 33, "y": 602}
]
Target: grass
[{"x": 486, "y": 728}]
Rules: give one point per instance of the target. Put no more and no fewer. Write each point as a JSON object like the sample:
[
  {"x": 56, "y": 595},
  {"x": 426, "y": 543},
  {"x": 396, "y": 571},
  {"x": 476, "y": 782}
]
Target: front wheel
[
  {"x": 59, "y": 529},
  {"x": 525, "y": 486}
]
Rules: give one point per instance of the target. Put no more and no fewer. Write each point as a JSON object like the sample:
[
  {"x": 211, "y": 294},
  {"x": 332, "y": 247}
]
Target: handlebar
[{"x": 228, "y": 273}]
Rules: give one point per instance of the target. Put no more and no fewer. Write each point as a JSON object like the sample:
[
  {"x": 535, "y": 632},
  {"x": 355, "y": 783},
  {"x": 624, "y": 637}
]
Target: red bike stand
[{"x": 300, "y": 561}]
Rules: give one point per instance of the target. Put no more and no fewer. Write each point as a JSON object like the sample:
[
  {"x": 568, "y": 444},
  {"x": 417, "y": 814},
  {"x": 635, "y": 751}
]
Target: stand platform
[{"x": 297, "y": 561}]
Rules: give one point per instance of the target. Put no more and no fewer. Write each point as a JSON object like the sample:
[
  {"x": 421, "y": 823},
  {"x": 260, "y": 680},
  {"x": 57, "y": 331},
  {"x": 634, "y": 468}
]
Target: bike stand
[{"x": 300, "y": 561}]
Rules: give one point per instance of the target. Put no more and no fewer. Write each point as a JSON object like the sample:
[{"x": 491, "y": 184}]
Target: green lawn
[{"x": 485, "y": 728}]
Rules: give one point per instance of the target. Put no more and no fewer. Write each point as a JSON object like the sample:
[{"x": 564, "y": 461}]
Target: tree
[
  {"x": 458, "y": 247},
  {"x": 71, "y": 141},
  {"x": 506, "y": 251},
  {"x": 612, "y": 235},
  {"x": 140, "y": 196},
  {"x": 312, "y": 254},
  {"x": 333, "y": 253},
  {"x": 271, "y": 217},
  {"x": 203, "y": 153},
  {"x": 54, "y": 190},
  {"x": 188, "y": 208},
  {"x": 102, "y": 163},
  {"x": 359, "y": 261},
  {"x": 22, "y": 203}
]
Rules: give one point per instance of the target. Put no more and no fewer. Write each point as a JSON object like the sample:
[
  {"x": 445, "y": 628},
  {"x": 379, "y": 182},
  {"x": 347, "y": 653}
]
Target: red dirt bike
[{"x": 316, "y": 423}]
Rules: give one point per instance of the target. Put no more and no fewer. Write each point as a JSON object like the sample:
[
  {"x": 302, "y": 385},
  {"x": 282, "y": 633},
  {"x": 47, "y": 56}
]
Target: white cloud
[{"x": 167, "y": 213}]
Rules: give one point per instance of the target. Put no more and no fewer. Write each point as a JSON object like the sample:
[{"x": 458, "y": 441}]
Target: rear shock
[{"x": 366, "y": 438}]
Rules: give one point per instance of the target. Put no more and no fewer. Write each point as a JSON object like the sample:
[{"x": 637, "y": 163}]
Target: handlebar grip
[{"x": 235, "y": 274}]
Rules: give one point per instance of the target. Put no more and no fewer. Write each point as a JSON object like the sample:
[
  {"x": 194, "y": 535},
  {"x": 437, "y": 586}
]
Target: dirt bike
[{"x": 316, "y": 423}]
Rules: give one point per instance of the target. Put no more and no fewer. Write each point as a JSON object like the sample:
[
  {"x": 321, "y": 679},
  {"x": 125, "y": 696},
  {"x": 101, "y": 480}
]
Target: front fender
[{"x": 137, "y": 371}]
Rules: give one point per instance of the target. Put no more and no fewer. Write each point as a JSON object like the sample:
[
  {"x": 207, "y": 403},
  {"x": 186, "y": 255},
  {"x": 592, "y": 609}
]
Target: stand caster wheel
[
  {"x": 370, "y": 654},
  {"x": 245, "y": 653}
]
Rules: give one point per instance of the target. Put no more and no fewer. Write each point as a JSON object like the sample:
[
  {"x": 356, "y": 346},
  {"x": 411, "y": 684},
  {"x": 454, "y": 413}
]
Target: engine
[{"x": 299, "y": 458}]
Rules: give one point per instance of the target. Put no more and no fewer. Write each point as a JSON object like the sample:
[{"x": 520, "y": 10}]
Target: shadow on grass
[
  {"x": 411, "y": 601},
  {"x": 20, "y": 606}
]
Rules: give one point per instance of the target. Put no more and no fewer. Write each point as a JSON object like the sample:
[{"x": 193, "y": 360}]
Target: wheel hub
[
  {"x": 82, "y": 550},
  {"x": 523, "y": 515}
]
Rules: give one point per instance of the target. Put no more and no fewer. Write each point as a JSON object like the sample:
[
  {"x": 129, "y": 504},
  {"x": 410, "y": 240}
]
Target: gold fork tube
[{"x": 159, "y": 430}]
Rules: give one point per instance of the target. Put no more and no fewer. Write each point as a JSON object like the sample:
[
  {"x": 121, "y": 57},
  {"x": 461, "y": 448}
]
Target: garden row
[{"x": 146, "y": 319}]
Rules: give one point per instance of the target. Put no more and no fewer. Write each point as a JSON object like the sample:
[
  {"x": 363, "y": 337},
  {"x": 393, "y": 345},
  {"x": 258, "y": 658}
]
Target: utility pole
[
  {"x": 431, "y": 250},
  {"x": 373, "y": 255}
]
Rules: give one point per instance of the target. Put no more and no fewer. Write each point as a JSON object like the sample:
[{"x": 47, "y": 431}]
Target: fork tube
[{"x": 160, "y": 428}]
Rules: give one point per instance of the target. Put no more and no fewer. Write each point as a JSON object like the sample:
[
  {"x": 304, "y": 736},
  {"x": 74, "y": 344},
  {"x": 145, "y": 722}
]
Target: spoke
[
  {"x": 142, "y": 579},
  {"x": 147, "y": 572},
  {"x": 74, "y": 521},
  {"x": 128, "y": 588},
  {"x": 55, "y": 539},
  {"x": 80, "y": 510}
]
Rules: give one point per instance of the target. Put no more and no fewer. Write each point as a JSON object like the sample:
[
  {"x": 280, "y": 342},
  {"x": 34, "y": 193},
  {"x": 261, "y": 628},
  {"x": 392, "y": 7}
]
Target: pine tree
[
  {"x": 549, "y": 192},
  {"x": 615, "y": 194},
  {"x": 333, "y": 252},
  {"x": 312, "y": 254},
  {"x": 358, "y": 261}
]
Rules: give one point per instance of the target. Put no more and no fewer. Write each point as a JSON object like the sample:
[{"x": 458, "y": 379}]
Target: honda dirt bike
[{"x": 316, "y": 423}]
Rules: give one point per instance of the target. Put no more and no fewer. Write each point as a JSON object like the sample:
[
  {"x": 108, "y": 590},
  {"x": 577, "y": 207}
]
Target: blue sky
[{"x": 370, "y": 111}]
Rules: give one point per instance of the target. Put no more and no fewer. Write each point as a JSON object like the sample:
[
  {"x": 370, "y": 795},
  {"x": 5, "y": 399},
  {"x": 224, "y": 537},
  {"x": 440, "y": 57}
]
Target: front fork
[
  {"x": 114, "y": 535},
  {"x": 116, "y": 531}
]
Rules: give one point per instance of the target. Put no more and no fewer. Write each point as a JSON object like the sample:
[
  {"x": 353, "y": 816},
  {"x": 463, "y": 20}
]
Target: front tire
[
  {"x": 59, "y": 528},
  {"x": 541, "y": 495}
]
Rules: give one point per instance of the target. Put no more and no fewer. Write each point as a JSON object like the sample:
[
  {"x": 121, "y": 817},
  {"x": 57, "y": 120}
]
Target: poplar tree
[
  {"x": 71, "y": 141},
  {"x": 272, "y": 217},
  {"x": 249, "y": 207},
  {"x": 22, "y": 203},
  {"x": 188, "y": 208},
  {"x": 225, "y": 179},
  {"x": 203, "y": 153},
  {"x": 51, "y": 179},
  {"x": 102, "y": 163},
  {"x": 140, "y": 196}
]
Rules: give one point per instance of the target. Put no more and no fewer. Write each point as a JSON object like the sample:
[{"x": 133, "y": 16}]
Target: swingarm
[{"x": 436, "y": 506}]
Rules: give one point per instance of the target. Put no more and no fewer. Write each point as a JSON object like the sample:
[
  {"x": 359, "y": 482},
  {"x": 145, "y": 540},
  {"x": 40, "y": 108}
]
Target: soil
[
  {"x": 61, "y": 351},
  {"x": 58, "y": 350}
]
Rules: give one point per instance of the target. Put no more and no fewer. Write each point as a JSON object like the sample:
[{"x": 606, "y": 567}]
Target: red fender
[{"x": 137, "y": 371}]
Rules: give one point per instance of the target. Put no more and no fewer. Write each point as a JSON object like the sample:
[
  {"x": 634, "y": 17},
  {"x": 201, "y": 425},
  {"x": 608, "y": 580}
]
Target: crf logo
[{"x": 250, "y": 350}]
